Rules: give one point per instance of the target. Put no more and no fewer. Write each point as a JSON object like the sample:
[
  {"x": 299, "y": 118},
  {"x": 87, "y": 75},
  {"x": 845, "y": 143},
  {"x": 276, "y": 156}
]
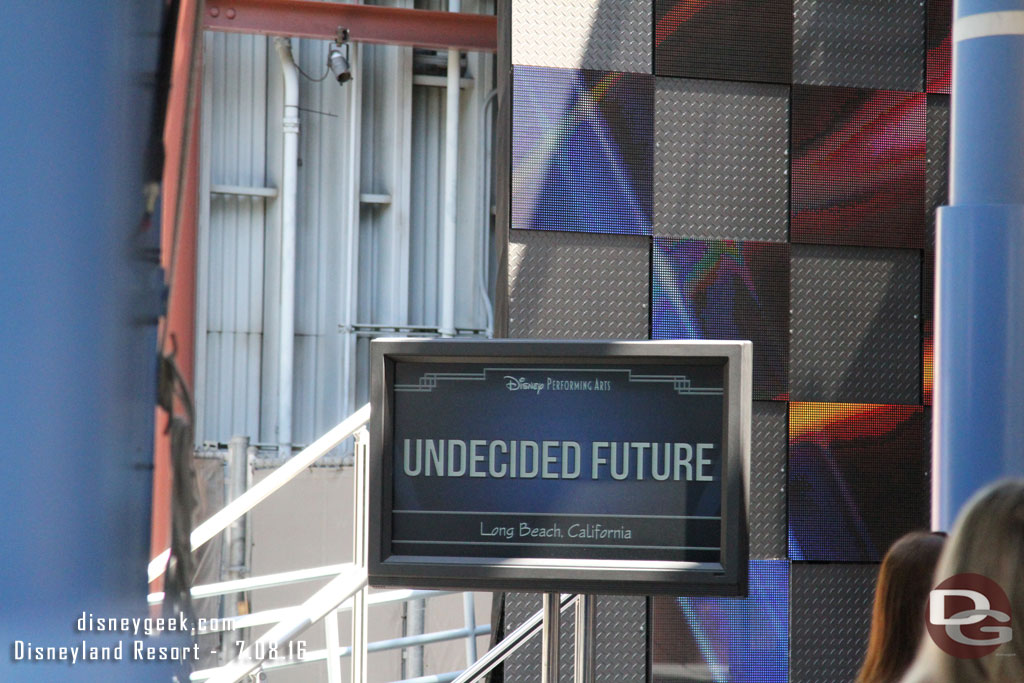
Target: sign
[{"x": 573, "y": 466}]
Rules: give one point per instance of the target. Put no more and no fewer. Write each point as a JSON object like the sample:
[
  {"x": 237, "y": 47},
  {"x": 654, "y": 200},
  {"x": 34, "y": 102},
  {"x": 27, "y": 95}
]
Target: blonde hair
[{"x": 987, "y": 539}]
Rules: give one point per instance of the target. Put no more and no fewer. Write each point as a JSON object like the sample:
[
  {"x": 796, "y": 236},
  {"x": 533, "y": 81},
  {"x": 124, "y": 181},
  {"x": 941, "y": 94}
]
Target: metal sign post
[
  {"x": 585, "y": 616},
  {"x": 549, "y": 638}
]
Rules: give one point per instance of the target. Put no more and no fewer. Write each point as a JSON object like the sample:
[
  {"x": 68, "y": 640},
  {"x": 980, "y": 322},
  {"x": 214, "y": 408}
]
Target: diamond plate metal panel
[
  {"x": 768, "y": 456},
  {"x": 721, "y": 160},
  {"x": 859, "y": 43},
  {"x": 938, "y": 161},
  {"x": 588, "y": 34},
  {"x": 742, "y": 40},
  {"x": 578, "y": 286},
  {"x": 621, "y": 640},
  {"x": 855, "y": 320},
  {"x": 830, "y": 617}
]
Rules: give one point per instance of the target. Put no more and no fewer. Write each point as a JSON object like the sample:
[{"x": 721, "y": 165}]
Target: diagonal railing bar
[
  {"x": 260, "y": 491},
  {"x": 310, "y": 612},
  {"x": 510, "y": 643}
]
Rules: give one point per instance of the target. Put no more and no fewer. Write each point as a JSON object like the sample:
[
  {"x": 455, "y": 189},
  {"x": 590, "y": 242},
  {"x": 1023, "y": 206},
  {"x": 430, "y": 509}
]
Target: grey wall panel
[
  {"x": 524, "y": 665},
  {"x": 620, "y": 647},
  {"x": 859, "y": 43},
  {"x": 769, "y": 434},
  {"x": 589, "y": 34},
  {"x": 855, "y": 325},
  {"x": 830, "y": 619},
  {"x": 621, "y": 639},
  {"x": 937, "y": 178},
  {"x": 230, "y": 272},
  {"x": 578, "y": 286},
  {"x": 721, "y": 160}
]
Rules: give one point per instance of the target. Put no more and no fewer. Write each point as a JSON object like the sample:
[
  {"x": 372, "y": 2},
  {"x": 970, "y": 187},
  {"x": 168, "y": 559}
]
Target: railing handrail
[
  {"x": 510, "y": 643},
  {"x": 275, "y": 615},
  {"x": 319, "y": 605},
  {"x": 209, "y": 590},
  {"x": 291, "y": 468}
]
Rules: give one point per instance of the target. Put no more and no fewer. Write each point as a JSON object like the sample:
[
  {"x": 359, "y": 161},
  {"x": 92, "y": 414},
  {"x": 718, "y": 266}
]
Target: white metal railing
[
  {"x": 346, "y": 590},
  {"x": 274, "y": 481}
]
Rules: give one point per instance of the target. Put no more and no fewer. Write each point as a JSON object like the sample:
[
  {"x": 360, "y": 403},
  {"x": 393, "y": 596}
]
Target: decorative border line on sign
[{"x": 680, "y": 383}]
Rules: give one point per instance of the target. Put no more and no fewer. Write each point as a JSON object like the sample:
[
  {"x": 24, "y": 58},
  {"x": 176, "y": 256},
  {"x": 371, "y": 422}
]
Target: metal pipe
[
  {"x": 451, "y": 170},
  {"x": 469, "y": 618},
  {"x": 350, "y": 298},
  {"x": 289, "y": 190},
  {"x": 272, "y": 616},
  {"x": 238, "y": 475},
  {"x": 509, "y": 644},
  {"x": 550, "y": 639},
  {"x": 483, "y": 280},
  {"x": 275, "y": 480},
  {"x": 586, "y": 610},
  {"x": 979, "y": 323},
  {"x": 415, "y": 616},
  {"x": 360, "y": 624},
  {"x": 333, "y": 648},
  {"x": 256, "y": 582},
  {"x": 313, "y": 610}
]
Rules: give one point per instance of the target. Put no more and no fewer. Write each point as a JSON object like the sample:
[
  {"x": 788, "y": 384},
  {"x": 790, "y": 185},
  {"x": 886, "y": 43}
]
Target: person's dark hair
[{"x": 897, "y": 620}]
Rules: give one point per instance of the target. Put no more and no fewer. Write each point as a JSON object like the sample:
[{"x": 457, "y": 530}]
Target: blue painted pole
[
  {"x": 979, "y": 385},
  {"x": 78, "y": 302}
]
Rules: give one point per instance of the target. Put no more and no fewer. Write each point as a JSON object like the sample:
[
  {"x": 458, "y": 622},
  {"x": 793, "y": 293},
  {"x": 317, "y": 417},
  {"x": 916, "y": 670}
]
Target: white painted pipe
[
  {"x": 351, "y": 180},
  {"x": 451, "y": 170},
  {"x": 289, "y": 188}
]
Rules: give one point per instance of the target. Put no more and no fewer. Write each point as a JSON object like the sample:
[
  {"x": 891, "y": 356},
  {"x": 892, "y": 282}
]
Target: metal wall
[
  {"x": 371, "y": 156},
  {"x": 797, "y": 161}
]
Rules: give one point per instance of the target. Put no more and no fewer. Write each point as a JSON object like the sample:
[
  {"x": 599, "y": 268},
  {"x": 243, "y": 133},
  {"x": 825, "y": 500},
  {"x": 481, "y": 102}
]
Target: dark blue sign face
[{"x": 617, "y": 461}]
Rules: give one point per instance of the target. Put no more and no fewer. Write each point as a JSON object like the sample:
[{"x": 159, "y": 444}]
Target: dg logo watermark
[{"x": 969, "y": 616}]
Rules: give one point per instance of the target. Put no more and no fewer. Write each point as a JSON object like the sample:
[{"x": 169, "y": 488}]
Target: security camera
[{"x": 338, "y": 62}]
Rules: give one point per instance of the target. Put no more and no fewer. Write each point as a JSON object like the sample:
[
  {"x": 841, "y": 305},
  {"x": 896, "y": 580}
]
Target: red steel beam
[{"x": 365, "y": 23}]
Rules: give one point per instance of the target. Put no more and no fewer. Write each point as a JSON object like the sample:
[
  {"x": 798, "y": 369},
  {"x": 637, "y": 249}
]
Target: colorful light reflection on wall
[
  {"x": 858, "y": 175},
  {"x": 582, "y": 150},
  {"x": 747, "y": 40},
  {"x": 726, "y": 640},
  {"x": 858, "y": 479},
  {"x": 727, "y": 290}
]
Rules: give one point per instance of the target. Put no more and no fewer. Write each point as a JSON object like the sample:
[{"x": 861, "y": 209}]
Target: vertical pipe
[
  {"x": 979, "y": 346},
  {"x": 289, "y": 187},
  {"x": 352, "y": 189},
  {"x": 451, "y": 170},
  {"x": 469, "y": 616},
  {"x": 237, "y": 541},
  {"x": 333, "y": 647},
  {"x": 549, "y": 638},
  {"x": 416, "y": 610},
  {"x": 359, "y": 621},
  {"x": 585, "y": 617}
]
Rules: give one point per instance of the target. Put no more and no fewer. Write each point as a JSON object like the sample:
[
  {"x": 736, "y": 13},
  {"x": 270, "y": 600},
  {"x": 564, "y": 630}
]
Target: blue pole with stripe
[{"x": 979, "y": 351}]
